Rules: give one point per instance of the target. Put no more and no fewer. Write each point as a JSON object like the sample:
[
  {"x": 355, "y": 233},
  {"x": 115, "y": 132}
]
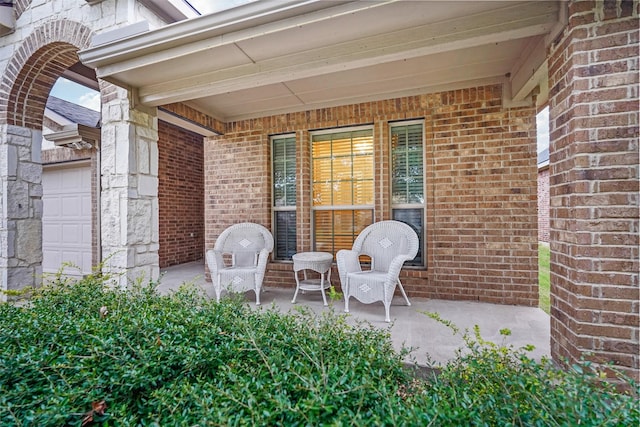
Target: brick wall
[
  {"x": 481, "y": 222},
  {"x": 543, "y": 205},
  {"x": 593, "y": 80},
  {"x": 180, "y": 195}
]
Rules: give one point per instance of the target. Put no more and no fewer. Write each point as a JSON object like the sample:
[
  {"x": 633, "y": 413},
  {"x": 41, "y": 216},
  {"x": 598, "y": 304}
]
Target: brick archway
[
  {"x": 34, "y": 68},
  {"x": 27, "y": 80}
]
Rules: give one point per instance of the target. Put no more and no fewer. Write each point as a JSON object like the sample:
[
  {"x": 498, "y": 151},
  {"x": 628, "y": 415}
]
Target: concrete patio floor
[{"x": 431, "y": 341}]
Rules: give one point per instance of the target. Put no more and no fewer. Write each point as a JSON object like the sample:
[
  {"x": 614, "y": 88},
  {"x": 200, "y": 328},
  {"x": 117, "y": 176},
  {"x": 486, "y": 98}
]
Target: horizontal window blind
[
  {"x": 284, "y": 196},
  {"x": 407, "y": 180},
  {"x": 343, "y": 187}
]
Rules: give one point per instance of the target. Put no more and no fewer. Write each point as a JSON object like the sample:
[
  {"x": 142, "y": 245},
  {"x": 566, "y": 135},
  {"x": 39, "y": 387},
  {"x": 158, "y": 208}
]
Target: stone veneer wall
[
  {"x": 47, "y": 37},
  {"x": 481, "y": 219},
  {"x": 180, "y": 195}
]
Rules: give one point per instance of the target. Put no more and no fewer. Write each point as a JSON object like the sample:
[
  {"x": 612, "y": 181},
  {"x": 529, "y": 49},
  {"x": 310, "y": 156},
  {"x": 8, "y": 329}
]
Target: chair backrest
[
  {"x": 384, "y": 240},
  {"x": 244, "y": 241}
]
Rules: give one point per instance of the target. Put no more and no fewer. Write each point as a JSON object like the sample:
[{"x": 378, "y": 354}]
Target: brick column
[
  {"x": 21, "y": 207},
  {"x": 593, "y": 80},
  {"x": 129, "y": 193}
]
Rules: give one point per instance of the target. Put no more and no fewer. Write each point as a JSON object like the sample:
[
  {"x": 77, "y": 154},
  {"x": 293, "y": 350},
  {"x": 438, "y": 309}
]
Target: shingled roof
[{"x": 74, "y": 112}]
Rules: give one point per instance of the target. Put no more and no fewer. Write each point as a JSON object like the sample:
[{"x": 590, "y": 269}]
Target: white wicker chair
[
  {"x": 389, "y": 244},
  {"x": 247, "y": 246}
]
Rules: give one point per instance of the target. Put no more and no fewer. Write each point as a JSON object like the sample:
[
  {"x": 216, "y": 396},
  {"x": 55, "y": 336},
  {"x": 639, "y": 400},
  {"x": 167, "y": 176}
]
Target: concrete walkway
[{"x": 410, "y": 327}]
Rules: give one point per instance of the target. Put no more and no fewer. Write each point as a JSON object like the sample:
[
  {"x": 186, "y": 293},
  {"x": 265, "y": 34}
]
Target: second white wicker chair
[
  {"x": 248, "y": 246},
  {"x": 389, "y": 244}
]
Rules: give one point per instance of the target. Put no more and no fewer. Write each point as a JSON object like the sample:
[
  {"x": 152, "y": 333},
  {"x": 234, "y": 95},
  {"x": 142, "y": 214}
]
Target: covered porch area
[{"x": 431, "y": 341}]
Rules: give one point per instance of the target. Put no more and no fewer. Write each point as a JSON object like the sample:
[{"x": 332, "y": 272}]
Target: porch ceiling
[{"x": 276, "y": 56}]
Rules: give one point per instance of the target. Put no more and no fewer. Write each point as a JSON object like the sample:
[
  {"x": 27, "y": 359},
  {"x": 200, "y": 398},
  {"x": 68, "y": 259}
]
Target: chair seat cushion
[
  {"x": 237, "y": 276},
  {"x": 367, "y": 286},
  {"x": 368, "y": 276}
]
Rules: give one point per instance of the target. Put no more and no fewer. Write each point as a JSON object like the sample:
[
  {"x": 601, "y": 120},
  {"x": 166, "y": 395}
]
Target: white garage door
[{"x": 66, "y": 218}]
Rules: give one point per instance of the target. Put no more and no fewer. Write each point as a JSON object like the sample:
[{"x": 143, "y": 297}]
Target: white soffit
[{"x": 270, "y": 56}]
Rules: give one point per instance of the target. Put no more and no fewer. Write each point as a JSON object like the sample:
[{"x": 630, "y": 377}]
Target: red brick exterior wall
[
  {"x": 180, "y": 195},
  {"x": 594, "y": 187},
  {"x": 543, "y": 205},
  {"x": 481, "y": 217}
]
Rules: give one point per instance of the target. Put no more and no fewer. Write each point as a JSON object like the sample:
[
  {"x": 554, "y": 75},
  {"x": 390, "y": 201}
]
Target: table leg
[
  {"x": 324, "y": 298},
  {"x": 297, "y": 288}
]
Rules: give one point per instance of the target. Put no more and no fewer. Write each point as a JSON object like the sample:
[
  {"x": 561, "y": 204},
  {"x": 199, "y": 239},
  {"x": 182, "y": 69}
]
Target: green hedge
[{"x": 85, "y": 354}]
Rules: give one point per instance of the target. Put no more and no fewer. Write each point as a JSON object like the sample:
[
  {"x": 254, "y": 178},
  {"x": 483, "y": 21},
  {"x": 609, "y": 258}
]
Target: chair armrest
[
  {"x": 348, "y": 262},
  {"x": 394, "y": 271},
  {"x": 263, "y": 259},
  {"x": 214, "y": 260}
]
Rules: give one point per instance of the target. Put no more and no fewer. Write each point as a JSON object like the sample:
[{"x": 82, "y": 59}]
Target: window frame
[
  {"x": 286, "y": 208},
  {"x": 334, "y": 208},
  {"x": 411, "y": 206}
]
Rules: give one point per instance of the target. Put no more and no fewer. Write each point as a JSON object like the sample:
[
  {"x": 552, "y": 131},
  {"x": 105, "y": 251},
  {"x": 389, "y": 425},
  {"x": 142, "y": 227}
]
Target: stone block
[
  {"x": 143, "y": 156},
  {"x": 30, "y": 172},
  {"x": 12, "y": 161},
  {"x": 36, "y": 147},
  {"x": 146, "y": 259},
  {"x": 139, "y": 212},
  {"x": 20, "y": 278},
  {"x": 18, "y": 200},
  {"x": 147, "y": 185},
  {"x": 29, "y": 241},
  {"x": 124, "y": 151},
  {"x": 153, "y": 158}
]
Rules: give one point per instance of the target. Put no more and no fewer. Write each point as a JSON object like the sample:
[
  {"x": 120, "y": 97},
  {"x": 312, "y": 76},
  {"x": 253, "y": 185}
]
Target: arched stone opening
[{"x": 28, "y": 78}]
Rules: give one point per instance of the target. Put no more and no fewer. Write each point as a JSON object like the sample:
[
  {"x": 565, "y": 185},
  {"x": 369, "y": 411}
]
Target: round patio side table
[{"x": 320, "y": 262}]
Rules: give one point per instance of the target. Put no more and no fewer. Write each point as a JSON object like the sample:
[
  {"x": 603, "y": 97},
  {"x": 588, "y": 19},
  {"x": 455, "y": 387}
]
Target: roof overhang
[
  {"x": 75, "y": 136},
  {"x": 276, "y": 56}
]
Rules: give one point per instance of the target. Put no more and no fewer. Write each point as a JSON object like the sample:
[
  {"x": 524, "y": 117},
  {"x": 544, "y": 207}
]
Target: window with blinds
[
  {"x": 407, "y": 179},
  {"x": 342, "y": 181},
  {"x": 283, "y": 155}
]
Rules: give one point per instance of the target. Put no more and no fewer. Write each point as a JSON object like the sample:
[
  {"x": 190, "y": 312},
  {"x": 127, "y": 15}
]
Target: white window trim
[
  {"x": 275, "y": 208},
  {"x": 423, "y": 206},
  {"x": 330, "y": 131}
]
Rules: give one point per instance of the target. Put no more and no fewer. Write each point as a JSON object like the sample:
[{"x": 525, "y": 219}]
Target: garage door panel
[
  {"x": 51, "y": 233},
  {"x": 71, "y": 179},
  {"x": 86, "y": 234},
  {"x": 52, "y": 262},
  {"x": 51, "y": 205},
  {"x": 86, "y": 261},
  {"x": 73, "y": 257},
  {"x": 66, "y": 219},
  {"x": 72, "y": 234},
  {"x": 86, "y": 206},
  {"x": 72, "y": 206}
]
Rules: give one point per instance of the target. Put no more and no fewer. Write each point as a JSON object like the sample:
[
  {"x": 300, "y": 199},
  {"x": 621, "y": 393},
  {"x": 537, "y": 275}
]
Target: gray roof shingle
[{"x": 74, "y": 112}]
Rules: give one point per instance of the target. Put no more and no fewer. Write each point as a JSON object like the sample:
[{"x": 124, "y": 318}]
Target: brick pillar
[
  {"x": 129, "y": 193},
  {"x": 593, "y": 80},
  {"x": 21, "y": 207}
]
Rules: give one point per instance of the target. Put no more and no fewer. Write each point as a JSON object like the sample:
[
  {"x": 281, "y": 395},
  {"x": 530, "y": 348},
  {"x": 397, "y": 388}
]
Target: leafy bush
[
  {"x": 184, "y": 360},
  {"x": 498, "y": 385},
  {"x": 85, "y": 354}
]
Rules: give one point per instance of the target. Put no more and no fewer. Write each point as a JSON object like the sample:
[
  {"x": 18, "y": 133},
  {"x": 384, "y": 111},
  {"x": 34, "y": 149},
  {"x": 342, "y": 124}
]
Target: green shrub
[
  {"x": 85, "y": 354},
  {"x": 498, "y": 385},
  {"x": 184, "y": 360}
]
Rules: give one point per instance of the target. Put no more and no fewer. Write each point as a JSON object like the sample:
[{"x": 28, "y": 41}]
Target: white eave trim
[
  {"x": 247, "y": 19},
  {"x": 185, "y": 123},
  {"x": 75, "y": 136}
]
